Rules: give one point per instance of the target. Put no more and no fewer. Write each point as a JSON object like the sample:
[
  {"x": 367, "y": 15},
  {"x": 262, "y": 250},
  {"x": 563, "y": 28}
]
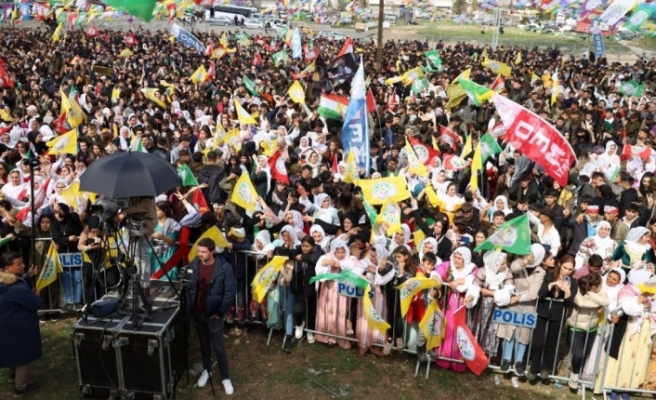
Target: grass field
[{"x": 259, "y": 371}]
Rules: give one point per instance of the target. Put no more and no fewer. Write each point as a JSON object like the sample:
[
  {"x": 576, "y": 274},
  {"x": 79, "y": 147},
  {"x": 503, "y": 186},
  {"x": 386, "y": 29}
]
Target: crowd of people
[{"x": 592, "y": 254}]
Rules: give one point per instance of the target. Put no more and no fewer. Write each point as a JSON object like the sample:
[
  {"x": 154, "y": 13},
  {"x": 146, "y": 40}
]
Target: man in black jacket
[
  {"x": 212, "y": 174},
  {"x": 212, "y": 290}
]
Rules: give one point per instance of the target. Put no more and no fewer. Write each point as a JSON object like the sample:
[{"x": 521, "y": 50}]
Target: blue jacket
[
  {"x": 19, "y": 322},
  {"x": 222, "y": 291}
]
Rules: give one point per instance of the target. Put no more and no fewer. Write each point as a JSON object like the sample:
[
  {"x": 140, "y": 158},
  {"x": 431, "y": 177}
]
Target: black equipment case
[{"x": 117, "y": 361}]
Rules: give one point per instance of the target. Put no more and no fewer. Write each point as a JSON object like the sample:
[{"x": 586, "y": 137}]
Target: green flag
[
  {"x": 186, "y": 176},
  {"x": 250, "y": 86},
  {"x": 639, "y": 16},
  {"x": 489, "y": 147},
  {"x": 279, "y": 57},
  {"x": 5, "y": 241},
  {"x": 419, "y": 85},
  {"x": 142, "y": 9},
  {"x": 433, "y": 58},
  {"x": 513, "y": 237},
  {"x": 632, "y": 88},
  {"x": 371, "y": 212},
  {"x": 477, "y": 93},
  {"x": 344, "y": 276}
]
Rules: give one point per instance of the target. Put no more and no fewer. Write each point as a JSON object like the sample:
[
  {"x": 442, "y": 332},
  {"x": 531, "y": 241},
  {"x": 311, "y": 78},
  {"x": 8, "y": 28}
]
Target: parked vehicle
[
  {"x": 223, "y": 21},
  {"x": 252, "y": 23}
]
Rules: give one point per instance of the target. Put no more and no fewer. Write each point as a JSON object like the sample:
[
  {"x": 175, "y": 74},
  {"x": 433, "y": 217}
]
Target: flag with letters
[
  {"x": 355, "y": 131},
  {"x": 266, "y": 276},
  {"x": 51, "y": 267}
]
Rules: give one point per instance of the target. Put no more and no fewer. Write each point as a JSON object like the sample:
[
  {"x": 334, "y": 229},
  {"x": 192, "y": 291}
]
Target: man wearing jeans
[{"x": 212, "y": 290}]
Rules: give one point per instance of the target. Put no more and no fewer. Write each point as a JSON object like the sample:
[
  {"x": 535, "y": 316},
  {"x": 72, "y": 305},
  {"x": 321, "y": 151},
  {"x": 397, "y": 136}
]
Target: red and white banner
[
  {"x": 536, "y": 138},
  {"x": 424, "y": 152},
  {"x": 278, "y": 169}
]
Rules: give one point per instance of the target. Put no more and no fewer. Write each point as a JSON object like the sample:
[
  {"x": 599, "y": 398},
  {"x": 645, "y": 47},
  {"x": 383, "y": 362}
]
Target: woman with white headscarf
[
  {"x": 635, "y": 250},
  {"x": 320, "y": 237},
  {"x": 612, "y": 285},
  {"x": 500, "y": 204},
  {"x": 286, "y": 242},
  {"x": 261, "y": 244},
  {"x": 528, "y": 276},
  {"x": 400, "y": 238},
  {"x": 322, "y": 208},
  {"x": 609, "y": 161},
  {"x": 601, "y": 244},
  {"x": 494, "y": 284},
  {"x": 632, "y": 334},
  {"x": 458, "y": 274},
  {"x": 332, "y": 309},
  {"x": 428, "y": 245},
  {"x": 261, "y": 176},
  {"x": 368, "y": 338}
]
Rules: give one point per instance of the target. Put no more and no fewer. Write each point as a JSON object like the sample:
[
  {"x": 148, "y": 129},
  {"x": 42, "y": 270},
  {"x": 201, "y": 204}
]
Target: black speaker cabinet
[{"x": 117, "y": 361}]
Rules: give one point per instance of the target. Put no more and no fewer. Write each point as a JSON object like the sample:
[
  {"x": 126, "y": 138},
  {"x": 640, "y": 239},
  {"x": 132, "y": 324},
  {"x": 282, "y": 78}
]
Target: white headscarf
[
  {"x": 465, "y": 253},
  {"x": 266, "y": 170},
  {"x": 613, "y": 291},
  {"x": 632, "y": 240},
  {"x": 263, "y": 237},
  {"x": 292, "y": 232},
  {"x": 339, "y": 244},
  {"x": 503, "y": 199},
  {"x": 538, "y": 253},
  {"x": 431, "y": 240},
  {"x": 325, "y": 240},
  {"x": 493, "y": 261}
]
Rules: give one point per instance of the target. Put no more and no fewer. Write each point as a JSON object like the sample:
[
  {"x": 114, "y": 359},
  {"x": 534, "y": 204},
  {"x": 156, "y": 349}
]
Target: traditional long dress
[
  {"x": 604, "y": 247},
  {"x": 372, "y": 339},
  {"x": 333, "y": 309},
  {"x": 455, "y": 299}
]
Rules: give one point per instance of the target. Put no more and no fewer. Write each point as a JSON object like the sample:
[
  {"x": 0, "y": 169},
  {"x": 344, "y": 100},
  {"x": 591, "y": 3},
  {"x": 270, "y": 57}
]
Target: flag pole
[{"x": 379, "y": 49}]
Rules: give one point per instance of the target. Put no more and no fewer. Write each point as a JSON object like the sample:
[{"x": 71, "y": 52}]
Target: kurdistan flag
[
  {"x": 332, "y": 106},
  {"x": 513, "y": 237}
]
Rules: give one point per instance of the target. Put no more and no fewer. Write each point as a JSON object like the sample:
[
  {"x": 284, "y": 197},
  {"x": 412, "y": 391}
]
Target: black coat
[
  {"x": 304, "y": 270},
  {"x": 19, "y": 322},
  {"x": 212, "y": 175},
  {"x": 554, "y": 310},
  {"x": 221, "y": 292},
  {"x": 62, "y": 230}
]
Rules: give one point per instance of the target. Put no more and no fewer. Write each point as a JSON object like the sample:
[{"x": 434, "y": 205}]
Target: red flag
[
  {"x": 130, "y": 40},
  {"x": 179, "y": 256},
  {"x": 209, "y": 50},
  {"x": 498, "y": 83},
  {"x": 334, "y": 165},
  {"x": 210, "y": 73},
  {"x": 91, "y": 31},
  {"x": 346, "y": 48},
  {"x": 172, "y": 12},
  {"x": 5, "y": 129},
  {"x": 424, "y": 152},
  {"x": 257, "y": 59},
  {"x": 536, "y": 138},
  {"x": 22, "y": 214},
  {"x": 40, "y": 196},
  {"x": 278, "y": 169},
  {"x": 5, "y": 80},
  {"x": 371, "y": 102},
  {"x": 392, "y": 102},
  {"x": 311, "y": 54},
  {"x": 22, "y": 194},
  {"x": 449, "y": 137},
  {"x": 199, "y": 202},
  {"x": 2, "y": 64},
  {"x": 626, "y": 148},
  {"x": 470, "y": 350},
  {"x": 61, "y": 124}
]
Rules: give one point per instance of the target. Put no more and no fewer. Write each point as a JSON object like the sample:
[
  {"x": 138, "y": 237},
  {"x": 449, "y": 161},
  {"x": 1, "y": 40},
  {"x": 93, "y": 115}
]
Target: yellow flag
[
  {"x": 432, "y": 196},
  {"x": 243, "y": 116},
  {"x": 376, "y": 191},
  {"x": 150, "y": 95},
  {"x": 56, "y": 36},
  {"x": 4, "y": 115},
  {"x": 233, "y": 138},
  {"x": 464, "y": 74},
  {"x": 390, "y": 214},
  {"x": 71, "y": 194},
  {"x": 395, "y": 79},
  {"x": 213, "y": 233},
  {"x": 476, "y": 166},
  {"x": 412, "y": 75},
  {"x": 374, "y": 320},
  {"x": 199, "y": 75},
  {"x": 467, "y": 149},
  {"x": 497, "y": 67},
  {"x": 411, "y": 287},
  {"x": 518, "y": 58},
  {"x": 484, "y": 53},
  {"x": 51, "y": 267},
  {"x": 269, "y": 147},
  {"x": 66, "y": 143},
  {"x": 74, "y": 113},
  {"x": 126, "y": 52},
  {"x": 351, "y": 174},
  {"x": 418, "y": 236},
  {"x": 224, "y": 40},
  {"x": 414, "y": 164},
  {"x": 455, "y": 92},
  {"x": 555, "y": 88},
  {"x": 534, "y": 78},
  {"x": 265, "y": 276},
  {"x": 244, "y": 193},
  {"x": 116, "y": 94},
  {"x": 297, "y": 93},
  {"x": 432, "y": 325}
]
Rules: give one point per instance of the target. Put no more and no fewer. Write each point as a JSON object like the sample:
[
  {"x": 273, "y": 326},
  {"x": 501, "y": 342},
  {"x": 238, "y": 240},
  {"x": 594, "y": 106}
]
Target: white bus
[{"x": 230, "y": 11}]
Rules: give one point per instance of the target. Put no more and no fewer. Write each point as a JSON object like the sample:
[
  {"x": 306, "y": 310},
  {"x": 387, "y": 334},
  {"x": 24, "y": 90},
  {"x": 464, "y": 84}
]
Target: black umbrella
[{"x": 129, "y": 174}]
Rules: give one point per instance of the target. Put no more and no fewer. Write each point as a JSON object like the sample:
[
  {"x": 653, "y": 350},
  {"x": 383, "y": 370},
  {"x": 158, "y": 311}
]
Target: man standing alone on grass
[
  {"x": 20, "y": 337},
  {"x": 212, "y": 290}
]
